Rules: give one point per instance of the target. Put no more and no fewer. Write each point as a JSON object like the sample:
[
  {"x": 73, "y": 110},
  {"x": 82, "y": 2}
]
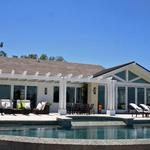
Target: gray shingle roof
[{"x": 32, "y": 66}]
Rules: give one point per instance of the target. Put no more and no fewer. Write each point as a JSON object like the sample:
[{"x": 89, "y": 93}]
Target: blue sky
[{"x": 105, "y": 32}]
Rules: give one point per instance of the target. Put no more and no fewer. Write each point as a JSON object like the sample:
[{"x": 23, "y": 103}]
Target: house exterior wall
[
  {"x": 40, "y": 90},
  {"x": 93, "y": 95}
]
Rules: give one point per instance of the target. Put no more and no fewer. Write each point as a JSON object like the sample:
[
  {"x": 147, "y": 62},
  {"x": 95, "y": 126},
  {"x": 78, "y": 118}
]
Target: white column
[
  {"x": 111, "y": 97},
  {"x": 62, "y": 97}
]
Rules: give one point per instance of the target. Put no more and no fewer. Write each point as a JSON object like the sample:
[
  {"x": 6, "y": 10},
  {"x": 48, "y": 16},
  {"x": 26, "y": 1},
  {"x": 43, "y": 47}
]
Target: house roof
[
  {"x": 102, "y": 72},
  {"x": 19, "y": 65}
]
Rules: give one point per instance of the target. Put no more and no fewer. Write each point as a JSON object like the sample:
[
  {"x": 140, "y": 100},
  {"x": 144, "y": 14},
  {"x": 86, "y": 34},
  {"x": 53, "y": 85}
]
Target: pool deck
[
  {"x": 35, "y": 143},
  {"x": 54, "y": 118}
]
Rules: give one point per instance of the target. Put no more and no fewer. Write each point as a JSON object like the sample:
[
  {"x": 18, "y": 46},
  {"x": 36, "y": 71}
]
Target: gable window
[
  {"x": 131, "y": 76},
  {"x": 56, "y": 94},
  {"x": 140, "y": 81},
  {"x": 121, "y": 75}
]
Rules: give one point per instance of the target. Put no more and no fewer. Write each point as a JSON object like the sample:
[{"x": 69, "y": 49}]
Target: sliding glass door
[
  {"x": 121, "y": 98},
  {"x": 32, "y": 95}
]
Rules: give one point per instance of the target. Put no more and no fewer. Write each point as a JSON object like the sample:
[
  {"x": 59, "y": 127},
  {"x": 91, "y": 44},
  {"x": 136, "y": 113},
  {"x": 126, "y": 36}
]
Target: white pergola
[{"x": 24, "y": 76}]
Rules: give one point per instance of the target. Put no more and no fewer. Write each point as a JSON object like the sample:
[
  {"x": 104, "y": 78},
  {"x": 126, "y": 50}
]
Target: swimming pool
[{"x": 101, "y": 132}]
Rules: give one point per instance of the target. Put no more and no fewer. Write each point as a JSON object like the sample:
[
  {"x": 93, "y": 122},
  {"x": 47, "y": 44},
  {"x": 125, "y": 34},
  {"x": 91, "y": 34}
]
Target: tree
[
  {"x": 23, "y": 56},
  {"x": 52, "y": 58},
  {"x": 2, "y": 53},
  {"x": 59, "y": 58},
  {"x": 43, "y": 57},
  {"x": 14, "y": 56},
  {"x": 33, "y": 56}
]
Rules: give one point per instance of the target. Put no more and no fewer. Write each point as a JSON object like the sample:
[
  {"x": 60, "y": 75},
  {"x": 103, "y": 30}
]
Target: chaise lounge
[
  {"x": 143, "y": 109},
  {"x": 146, "y": 109},
  {"x": 42, "y": 108},
  {"x": 134, "y": 109}
]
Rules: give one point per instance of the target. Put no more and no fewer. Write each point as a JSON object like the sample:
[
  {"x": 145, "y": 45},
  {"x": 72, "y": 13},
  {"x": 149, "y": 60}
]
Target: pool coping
[{"x": 36, "y": 140}]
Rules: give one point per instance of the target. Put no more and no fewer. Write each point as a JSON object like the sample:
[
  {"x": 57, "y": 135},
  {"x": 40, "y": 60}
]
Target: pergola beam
[{"x": 48, "y": 77}]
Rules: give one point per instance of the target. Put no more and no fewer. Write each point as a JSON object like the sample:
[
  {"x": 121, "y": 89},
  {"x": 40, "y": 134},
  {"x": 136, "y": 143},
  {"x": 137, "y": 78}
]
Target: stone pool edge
[{"x": 37, "y": 140}]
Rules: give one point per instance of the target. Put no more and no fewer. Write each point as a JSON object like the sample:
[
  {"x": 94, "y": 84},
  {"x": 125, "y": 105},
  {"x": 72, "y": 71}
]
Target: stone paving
[{"x": 54, "y": 116}]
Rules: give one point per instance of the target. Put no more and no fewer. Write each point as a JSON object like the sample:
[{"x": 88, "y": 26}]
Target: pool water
[{"x": 107, "y": 132}]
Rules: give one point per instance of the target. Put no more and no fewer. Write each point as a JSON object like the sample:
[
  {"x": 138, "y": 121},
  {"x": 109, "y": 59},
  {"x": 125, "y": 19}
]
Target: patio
[{"x": 52, "y": 119}]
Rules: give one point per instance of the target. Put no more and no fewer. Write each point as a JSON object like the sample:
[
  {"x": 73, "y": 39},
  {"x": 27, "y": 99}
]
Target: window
[
  {"x": 131, "y": 95},
  {"x": 122, "y": 75},
  {"x": 5, "y": 91},
  {"x": 32, "y": 95},
  {"x": 79, "y": 95},
  {"x": 56, "y": 94},
  {"x": 70, "y": 95},
  {"x": 19, "y": 92},
  {"x": 131, "y": 75},
  {"x": 101, "y": 96},
  {"x": 148, "y": 96},
  {"x": 140, "y": 96},
  {"x": 121, "y": 98},
  {"x": 140, "y": 81}
]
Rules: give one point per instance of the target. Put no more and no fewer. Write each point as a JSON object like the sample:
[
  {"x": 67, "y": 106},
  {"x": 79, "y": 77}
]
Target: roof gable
[{"x": 135, "y": 71}]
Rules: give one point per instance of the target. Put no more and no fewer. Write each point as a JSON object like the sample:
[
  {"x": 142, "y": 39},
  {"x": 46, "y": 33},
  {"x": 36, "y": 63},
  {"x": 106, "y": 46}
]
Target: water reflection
[{"x": 107, "y": 132}]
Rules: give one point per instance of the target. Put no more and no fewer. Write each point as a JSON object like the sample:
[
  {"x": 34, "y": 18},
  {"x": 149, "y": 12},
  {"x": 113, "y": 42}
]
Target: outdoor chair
[
  {"x": 6, "y": 106},
  {"x": 69, "y": 108},
  {"x": 22, "y": 107},
  {"x": 146, "y": 109},
  {"x": 42, "y": 108},
  {"x": 85, "y": 109},
  {"x": 134, "y": 109}
]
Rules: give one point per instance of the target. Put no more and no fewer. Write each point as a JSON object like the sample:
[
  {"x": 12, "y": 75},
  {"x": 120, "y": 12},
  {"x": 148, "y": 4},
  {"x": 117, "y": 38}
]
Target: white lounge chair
[
  {"x": 136, "y": 109},
  {"x": 146, "y": 109}
]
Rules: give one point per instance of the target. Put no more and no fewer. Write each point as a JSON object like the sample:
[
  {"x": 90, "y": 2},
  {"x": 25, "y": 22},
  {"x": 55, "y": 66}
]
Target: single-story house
[{"x": 60, "y": 83}]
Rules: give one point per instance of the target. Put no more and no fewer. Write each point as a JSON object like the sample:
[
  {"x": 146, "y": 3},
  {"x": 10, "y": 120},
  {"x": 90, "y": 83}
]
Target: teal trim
[
  {"x": 122, "y": 75},
  {"x": 131, "y": 76}
]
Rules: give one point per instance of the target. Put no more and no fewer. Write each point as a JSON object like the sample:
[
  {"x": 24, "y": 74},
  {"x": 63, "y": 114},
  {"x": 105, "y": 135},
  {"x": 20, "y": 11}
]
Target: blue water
[{"x": 108, "y": 132}]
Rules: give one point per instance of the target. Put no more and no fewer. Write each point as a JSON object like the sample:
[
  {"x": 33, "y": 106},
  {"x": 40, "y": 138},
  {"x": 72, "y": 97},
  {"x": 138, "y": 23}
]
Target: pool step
[{"x": 64, "y": 122}]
